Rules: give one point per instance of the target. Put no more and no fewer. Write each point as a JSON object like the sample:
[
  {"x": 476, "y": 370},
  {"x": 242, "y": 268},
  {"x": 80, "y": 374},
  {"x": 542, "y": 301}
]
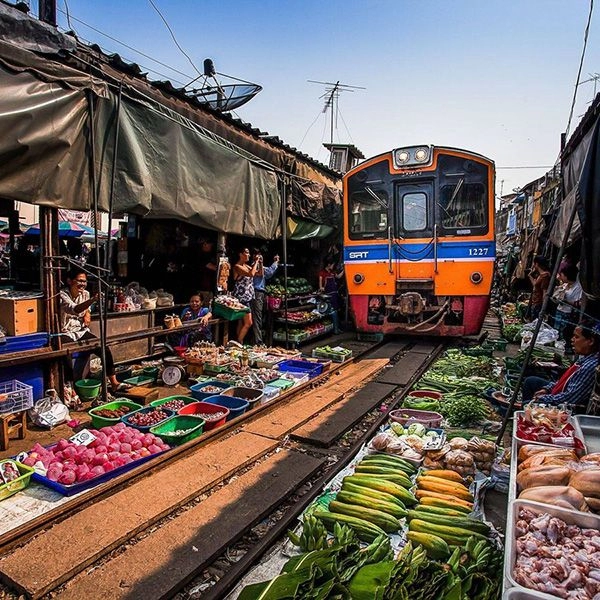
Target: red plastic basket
[
  {"x": 205, "y": 408},
  {"x": 426, "y": 394},
  {"x": 410, "y": 415}
]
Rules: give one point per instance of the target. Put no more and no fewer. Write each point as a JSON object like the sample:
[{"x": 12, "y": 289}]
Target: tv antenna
[
  {"x": 331, "y": 96},
  {"x": 219, "y": 96}
]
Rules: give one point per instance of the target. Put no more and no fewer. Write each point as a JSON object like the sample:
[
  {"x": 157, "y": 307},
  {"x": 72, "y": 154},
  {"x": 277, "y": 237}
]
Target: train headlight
[
  {"x": 358, "y": 278},
  {"x": 422, "y": 155},
  {"x": 402, "y": 157},
  {"x": 476, "y": 277}
]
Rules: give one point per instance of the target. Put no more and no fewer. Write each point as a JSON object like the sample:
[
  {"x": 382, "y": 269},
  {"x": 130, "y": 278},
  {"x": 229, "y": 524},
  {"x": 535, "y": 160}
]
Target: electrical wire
[
  {"x": 346, "y": 127},
  {"x": 173, "y": 36},
  {"x": 585, "y": 40},
  {"x": 158, "y": 62},
  {"x": 309, "y": 128},
  {"x": 68, "y": 16}
]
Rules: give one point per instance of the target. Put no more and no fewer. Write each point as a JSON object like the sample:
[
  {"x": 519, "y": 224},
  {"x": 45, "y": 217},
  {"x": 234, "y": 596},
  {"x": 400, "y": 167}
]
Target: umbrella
[{"x": 67, "y": 229}]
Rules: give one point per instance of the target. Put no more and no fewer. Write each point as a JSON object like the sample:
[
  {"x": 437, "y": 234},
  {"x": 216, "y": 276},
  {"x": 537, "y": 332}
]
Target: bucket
[
  {"x": 406, "y": 416},
  {"x": 431, "y": 394},
  {"x": 206, "y": 409},
  {"x": 88, "y": 388}
]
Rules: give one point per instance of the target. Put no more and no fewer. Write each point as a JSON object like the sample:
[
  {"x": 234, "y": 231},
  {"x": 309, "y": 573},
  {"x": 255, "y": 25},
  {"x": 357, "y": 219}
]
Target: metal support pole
[
  {"x": 286, "y": 190},
  {"x": 102, "y": 293},
  {"x": 538, "y": 325}
]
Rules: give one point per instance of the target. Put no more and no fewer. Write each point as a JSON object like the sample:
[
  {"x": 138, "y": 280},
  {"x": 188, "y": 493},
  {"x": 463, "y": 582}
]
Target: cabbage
[{"x": 416, "y": 429}]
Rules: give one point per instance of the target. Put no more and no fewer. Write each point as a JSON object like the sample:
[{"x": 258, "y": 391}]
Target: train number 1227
[{"x": 478, "y": 251}]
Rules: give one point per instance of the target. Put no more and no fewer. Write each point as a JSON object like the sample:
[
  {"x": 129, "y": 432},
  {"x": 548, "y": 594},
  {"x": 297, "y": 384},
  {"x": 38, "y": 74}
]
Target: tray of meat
[
  {"x": 519, "y": 593},
  {"x": 552, "y": 551}
]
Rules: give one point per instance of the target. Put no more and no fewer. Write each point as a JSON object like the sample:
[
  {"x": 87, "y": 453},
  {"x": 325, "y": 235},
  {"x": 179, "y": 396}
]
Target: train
[{"x": 419, "y": 241}]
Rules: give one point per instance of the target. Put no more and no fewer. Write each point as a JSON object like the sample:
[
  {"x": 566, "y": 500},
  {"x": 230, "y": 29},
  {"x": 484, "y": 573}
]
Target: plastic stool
[{"x": 11, "y": 423}]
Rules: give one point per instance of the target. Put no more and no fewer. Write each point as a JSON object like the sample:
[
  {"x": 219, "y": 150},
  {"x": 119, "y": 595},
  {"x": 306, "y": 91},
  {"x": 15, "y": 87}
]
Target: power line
[
  {"x": 529, "y": 167},
  {"x": 173, "y": 36},
  {"x": 106, "y": 35},
  {"x": 585, "y": 39}
]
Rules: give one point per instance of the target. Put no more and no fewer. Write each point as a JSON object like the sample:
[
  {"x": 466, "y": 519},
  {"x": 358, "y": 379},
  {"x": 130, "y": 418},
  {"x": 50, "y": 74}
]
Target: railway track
[{"x": 192, "y": 522}]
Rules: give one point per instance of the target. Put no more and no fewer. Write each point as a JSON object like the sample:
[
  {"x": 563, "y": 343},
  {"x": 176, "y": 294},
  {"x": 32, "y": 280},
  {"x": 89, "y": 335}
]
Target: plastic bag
[
  {"x": 546, "y": 336},
  {"x": 49, "y": 411}
]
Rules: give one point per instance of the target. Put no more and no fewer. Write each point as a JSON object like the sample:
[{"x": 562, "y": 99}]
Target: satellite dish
[{"x": 220, "y": 96}]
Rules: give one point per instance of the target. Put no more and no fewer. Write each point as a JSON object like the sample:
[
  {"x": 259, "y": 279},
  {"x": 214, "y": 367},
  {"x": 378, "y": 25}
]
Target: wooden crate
[{"x": 20, "y": 316}]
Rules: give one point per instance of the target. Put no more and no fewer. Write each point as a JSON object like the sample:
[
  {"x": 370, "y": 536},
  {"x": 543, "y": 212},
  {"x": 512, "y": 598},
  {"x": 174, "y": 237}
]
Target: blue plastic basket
[
  {"x": 236, "y": 406},
  {"x": 199, "y": 395},
  {"x": 301, "y": 366}
]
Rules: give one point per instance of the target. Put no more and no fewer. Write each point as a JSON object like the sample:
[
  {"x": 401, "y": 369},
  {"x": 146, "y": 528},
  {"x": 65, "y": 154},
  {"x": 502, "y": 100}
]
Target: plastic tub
[
  {"x": 301, "y": 366},
  {"x": 519, "y": 593},
  {"x": 88, "y": 389},
  {"x": 250, "y": 395},
  {"x": 99, "y": 422},
  {"x": 206, "y": 408},
  {"x": 166, "y": 430},
  {"x": 18, "y": 484},
  {"x": 150, "y": 372},
  {"x": 185, "y": 399},
  {"x": 270, "y": 392},
  {"x": 409, "y": 415},
  {"x": 146, "y": 428},
  {"x": 199, "y": 395},
  {"x": 282, "y": 384},
  {"x": 236, "y": 406},
  {"x": 140, "y": 380}
]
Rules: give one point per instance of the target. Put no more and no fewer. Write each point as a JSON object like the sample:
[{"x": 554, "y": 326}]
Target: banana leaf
[
  {"x": 371, "y": 581},
  {"x": 283, "y": 587}
]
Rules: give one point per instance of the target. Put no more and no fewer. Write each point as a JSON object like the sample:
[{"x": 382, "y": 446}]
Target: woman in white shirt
[{"x": 75, "y": 302}]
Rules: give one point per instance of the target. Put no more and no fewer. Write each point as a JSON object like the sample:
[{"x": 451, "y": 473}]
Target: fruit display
[
  {"x": 148, "y": 418},
  {"x": 295, "y": 287},
  {"x": 230, "y": 302},
  {"x": 68, "y": 463},
  {"x": 211, "y": 416},
  {"x": 335, "y": 353},
  {"x": 115, "y": 413},
  {"x": 174, "y": 404}
]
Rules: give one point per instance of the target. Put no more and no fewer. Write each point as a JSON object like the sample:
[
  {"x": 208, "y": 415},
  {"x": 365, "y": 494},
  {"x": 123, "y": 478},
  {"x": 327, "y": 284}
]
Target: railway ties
[{"x": 149, "y": 539}]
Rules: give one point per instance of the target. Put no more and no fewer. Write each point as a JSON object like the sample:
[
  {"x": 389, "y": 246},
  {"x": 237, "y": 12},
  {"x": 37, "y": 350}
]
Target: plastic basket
[
  {"x": 301, "y": 366},
  {"x": 198, "y": 394},
  {"x": 219, "y": 310},
  {"x": 162, "y": 401},
  {"x": 270, "y": 392},
  {"x": 99, "y": 422},
  {"x": 282, "y": 384},
  {"x": 236, "y": 406},
  {"x": 250, "y": 395},
  {"x": 18, "y": 484},
  {"x": 15, "y": 397},
  {"x": 88, "y": 389},
  {"x": 215, "y": 369},
  {"x": 166, "y": 430},
  {"x": 206, "y": 408},
  {"x": 140, "y": 380},
  {"x": 409, "y": 415},
  {"x": 430, "y": 394},
  {"x": 146, "y": 428}
]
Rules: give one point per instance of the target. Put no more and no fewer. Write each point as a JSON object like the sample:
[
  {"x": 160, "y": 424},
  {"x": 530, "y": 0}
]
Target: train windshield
[
  {"x": 368, "y": 218},
  {"x": 463, "y": 205}
]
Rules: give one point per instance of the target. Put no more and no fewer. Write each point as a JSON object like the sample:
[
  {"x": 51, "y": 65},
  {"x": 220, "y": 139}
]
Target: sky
[{"x": 495, "y": 77}]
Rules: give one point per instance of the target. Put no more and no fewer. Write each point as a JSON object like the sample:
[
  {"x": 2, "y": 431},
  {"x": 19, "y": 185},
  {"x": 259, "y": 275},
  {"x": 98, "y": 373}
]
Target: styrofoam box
[{"x": 571, "y": 517}]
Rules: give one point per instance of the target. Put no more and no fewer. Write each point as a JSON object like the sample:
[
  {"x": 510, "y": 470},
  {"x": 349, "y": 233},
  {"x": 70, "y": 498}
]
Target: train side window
[
  {"x": 414, "y": 211},
  {"x": 368, "y": 214},
  {"x": 463, "y": 205}
]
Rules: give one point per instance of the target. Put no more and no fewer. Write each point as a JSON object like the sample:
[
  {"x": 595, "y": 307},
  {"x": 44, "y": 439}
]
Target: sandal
[{"x": 122, "y": 387}]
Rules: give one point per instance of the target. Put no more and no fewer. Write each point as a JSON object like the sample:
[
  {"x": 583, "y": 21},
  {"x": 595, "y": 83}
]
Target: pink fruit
[
  {"x": 100, "y": 458},
  {"x": 101, "y": 449},
  {"x": 148, "y": 439},
  {"x": 136, "y": 444},
  {"x": 80, "y": 449},
  {"x": 53, "y": 475},
  {"x": 107, "y": 430},
  {"x": 97, "y": 470},
  {"x": 126, "y": 459},
  {"x": 30, "y": 461},
  {"x": 114, "y": 447},
  {"x": 89, "y": 455},
  {"x": 125, "y": 448},
  {"x": 113, "y": 455},
  {"x": 153, "y": 448},
  {"x": 108, "y": 466},
  {"x": 119, "y": 426},
  {"x": 144, "y": 452},
  {"x": 67, "y": 477},
  {"x": 37, "y": 447},
  {"x": 62, "y": 444}
]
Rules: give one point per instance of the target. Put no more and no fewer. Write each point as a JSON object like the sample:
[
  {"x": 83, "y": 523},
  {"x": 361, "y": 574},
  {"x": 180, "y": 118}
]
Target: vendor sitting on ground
[
  {"x": 75, "y": 302},
  {"x": 196, "y": 312},
  {"x": 575, "y": 387}
]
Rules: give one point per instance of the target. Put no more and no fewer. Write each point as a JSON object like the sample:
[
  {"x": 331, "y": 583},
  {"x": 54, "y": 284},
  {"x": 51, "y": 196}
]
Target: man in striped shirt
[{"x": 575, "y": 386}]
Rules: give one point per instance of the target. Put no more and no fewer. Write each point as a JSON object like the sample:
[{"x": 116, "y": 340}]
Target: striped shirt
[{"x": 578, "y": 389}]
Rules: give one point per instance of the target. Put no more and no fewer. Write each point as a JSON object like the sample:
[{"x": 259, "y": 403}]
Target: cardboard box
[{"x": 21, "y": 316}]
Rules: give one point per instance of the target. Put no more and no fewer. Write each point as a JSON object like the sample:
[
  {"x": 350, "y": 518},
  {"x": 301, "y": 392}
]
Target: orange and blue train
[{"x": 419, "y": 241}]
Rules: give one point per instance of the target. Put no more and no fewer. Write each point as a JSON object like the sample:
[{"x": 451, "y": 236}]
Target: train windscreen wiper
[{"x": 375, "y": 197}]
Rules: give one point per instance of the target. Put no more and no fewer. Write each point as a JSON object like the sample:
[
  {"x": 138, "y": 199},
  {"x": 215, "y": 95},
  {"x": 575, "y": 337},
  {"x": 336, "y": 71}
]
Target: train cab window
[
  {"x": 368, "y": 214},
  {"x": 463, "y": 205},
  {"x": 414, "y": 211}
]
